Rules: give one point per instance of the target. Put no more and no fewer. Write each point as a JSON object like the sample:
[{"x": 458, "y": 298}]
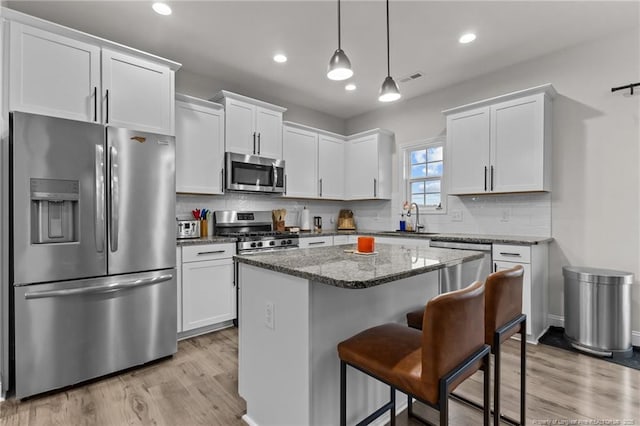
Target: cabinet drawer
[
  {"x": 198, "y": 253},
  {"x": 510, "y": 253},
  {"x": 340, "y": 239},
  {"x": 312, "y": 242}
]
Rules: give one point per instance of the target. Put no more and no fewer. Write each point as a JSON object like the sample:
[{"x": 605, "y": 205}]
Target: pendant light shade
[
  {"x": 339, "y": 65},
  {"x": 389, "y": 91}
]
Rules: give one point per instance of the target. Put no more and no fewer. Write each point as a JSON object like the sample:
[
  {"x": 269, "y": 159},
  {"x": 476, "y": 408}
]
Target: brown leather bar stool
[
  {"x": 503, "y": 318},
  {"x": 425, "y": 365}
]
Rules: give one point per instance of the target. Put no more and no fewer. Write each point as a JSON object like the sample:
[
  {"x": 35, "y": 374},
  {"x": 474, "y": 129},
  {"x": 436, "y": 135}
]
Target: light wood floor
[{"x": 198, "y": 386}]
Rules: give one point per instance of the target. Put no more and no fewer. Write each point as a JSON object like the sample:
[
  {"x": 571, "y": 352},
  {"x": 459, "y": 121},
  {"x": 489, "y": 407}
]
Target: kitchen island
[{"x": 297, "y": 305}]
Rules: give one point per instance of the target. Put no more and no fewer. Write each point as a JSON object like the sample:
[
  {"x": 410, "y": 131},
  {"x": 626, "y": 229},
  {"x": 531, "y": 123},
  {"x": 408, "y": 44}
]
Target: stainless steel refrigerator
[{"x": 93, "y": 250}]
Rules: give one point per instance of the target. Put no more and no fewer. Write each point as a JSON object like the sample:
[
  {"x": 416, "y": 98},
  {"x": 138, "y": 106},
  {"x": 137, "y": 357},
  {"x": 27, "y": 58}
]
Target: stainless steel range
[{"x": 254, "y": 231}]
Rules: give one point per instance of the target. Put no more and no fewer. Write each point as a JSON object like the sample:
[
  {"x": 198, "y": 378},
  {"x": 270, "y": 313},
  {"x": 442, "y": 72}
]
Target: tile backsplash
[{"x": 507, "y": 214}]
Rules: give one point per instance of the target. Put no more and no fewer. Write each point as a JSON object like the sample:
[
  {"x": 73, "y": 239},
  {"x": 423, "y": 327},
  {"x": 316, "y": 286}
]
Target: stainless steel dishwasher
[{"x": 460, "y": 276}]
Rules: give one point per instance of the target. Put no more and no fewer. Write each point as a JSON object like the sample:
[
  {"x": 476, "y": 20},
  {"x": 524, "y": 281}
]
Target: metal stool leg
[
  {"x": 496, "y": 380},
  {"x": 343, "y": 393},
  {"x": 523, "y": 370}
]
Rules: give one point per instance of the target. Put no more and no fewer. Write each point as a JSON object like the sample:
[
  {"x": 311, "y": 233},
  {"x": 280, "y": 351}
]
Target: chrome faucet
[{"x": 418, "y": 226}]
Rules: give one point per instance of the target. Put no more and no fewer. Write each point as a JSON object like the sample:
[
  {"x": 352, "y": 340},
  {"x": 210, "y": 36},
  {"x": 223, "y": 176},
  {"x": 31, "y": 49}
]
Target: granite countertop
[
  {"x": 333, "y": 266},
  {"x": 204, "y": 240},
  {"x": 466, "y": 238}
]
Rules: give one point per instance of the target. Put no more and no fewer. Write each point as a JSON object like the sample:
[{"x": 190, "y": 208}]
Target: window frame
[{"x": 405, "y": 171}]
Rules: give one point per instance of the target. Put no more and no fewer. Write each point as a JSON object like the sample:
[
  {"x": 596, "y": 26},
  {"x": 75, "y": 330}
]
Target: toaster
[{"x": 188, "y": 229}]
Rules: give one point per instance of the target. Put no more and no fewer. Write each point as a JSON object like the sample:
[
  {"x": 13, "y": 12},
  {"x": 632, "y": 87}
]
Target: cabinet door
[
  {"x": 526, "y": 287},
  {"x": 53, "y": 75},
  {"x": 468, "y": 151},
  {"x": 300, "y": 156},
  {"x": 362, "y": 168},
  {"x": 199, "y": 149},
  {"x": 138, "y": 94},
  {"x": 517, "y": 145},
  {"x": 331, "y": 153},
  {"x": 269, "y": 129},
  {"x": 208, "y": 293},
  {"x": 240, "y": 134}
]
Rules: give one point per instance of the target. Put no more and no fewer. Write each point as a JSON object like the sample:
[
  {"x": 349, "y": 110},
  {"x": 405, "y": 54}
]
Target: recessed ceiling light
[
  {"x": 350, "y": 87},
  {"x": 467, "y": 38},
  {"x": 161, "y": 8},
  {"x": 280, "y": 58}
]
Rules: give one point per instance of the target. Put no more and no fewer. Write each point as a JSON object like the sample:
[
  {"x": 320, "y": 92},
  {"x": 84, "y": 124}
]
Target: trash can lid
[{"x": 597, "y": 275}]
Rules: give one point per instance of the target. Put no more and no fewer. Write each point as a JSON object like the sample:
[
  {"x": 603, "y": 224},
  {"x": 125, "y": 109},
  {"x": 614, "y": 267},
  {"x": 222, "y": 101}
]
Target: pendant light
[
  {"x": 389, "y": 91},
  {"x": 339, "y": 64}
]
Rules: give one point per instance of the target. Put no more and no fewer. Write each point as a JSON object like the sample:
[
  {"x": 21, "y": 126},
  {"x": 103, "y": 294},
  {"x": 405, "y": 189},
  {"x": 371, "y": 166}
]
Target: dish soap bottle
[{"x": 403, "y": 223}]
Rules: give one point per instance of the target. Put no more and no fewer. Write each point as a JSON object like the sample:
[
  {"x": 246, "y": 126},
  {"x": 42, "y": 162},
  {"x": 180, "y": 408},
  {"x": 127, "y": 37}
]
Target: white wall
[
  {"x": 205, "y": 87},
  {"x": 595, "y": 201}
]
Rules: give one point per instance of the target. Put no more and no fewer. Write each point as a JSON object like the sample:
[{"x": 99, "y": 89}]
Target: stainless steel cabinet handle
[
  {"x": 210, "y": 252},
  {"x": 485, "y": 178},
  {"x": 315, "y": 243},
  {"x": 375, "y": 187},
  {"x": 221, "y": 180},
  {"x": 285, "y": 184},
  {"x": 95, "y": 103},
  {"x": 321, "y": 187},
  {"x": 107, "y": 111},
  {"x": 492, "y": 178},
  {"x": 102, "y": 289},
  {"x": 259, "y": 146},
  {"x": 99, "y": 199},
  {"x": 115, "y": 198},
  {"x": 503, "y": 253},
  {"x": 495, "y": 267},
  {"x": 254, "y": 142}
]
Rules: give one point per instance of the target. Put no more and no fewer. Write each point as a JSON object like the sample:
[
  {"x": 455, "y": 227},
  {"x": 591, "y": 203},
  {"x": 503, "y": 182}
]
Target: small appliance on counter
[
  {"x": 187, "y": 228},
  {"x": 345, "y": 221},
  {"x": 305, "y": 219}
]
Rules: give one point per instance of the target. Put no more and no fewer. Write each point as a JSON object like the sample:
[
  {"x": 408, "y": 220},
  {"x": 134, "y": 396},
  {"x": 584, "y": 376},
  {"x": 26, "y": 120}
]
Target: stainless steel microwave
[{"x": 252, "y": 173}]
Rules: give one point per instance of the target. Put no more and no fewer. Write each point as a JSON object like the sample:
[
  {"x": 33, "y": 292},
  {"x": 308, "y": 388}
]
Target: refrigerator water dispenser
[{"x": 54, "y": 211}]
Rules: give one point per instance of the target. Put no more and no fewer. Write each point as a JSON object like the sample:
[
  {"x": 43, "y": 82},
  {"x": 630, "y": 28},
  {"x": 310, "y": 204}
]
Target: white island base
[{"x": 289, "y": 327}]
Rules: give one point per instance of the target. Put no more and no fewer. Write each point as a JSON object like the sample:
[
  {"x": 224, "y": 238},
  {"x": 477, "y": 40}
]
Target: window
[{"x": 424, "y": 173}]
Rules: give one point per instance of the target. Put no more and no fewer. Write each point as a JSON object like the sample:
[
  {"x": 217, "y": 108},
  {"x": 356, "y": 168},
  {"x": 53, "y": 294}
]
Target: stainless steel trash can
[{"x": 597, "y": 310}]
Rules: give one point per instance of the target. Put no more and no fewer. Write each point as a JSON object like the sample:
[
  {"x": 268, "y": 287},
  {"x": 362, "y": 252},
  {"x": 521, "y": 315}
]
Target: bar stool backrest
[
  {"x": 503, "y": 300},
  {"x": 452, "y": 330}
]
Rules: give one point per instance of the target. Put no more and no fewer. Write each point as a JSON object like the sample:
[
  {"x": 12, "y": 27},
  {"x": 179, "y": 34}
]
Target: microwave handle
[{"x": 275, "y": 176}]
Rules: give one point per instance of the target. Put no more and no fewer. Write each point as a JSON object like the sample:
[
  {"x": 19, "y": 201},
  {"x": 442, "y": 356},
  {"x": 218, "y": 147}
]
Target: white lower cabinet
[
  {"x": 312, "y": 242},
  {"x": 535, "y": 261},
  {"x": 208, "y": 288}
]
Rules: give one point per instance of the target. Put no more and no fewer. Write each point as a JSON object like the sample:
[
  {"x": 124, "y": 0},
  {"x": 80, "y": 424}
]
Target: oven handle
[{"x": 117, "y": 286}]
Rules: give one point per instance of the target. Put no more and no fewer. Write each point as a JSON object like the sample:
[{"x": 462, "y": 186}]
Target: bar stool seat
[
  {"x": 503, "y": 319},
  {"x": 426, "y": 365}
]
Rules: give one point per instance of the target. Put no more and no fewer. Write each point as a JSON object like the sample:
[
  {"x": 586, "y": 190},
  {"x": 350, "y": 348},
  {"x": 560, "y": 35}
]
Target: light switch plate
[
  {"x": 269, "y": 312},
  {"x": 456, "y": 216}
]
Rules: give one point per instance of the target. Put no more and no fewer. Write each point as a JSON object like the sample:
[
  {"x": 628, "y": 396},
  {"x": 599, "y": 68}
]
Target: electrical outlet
[
  {"x": 506, "y": 215},
  {"x": 456, "y": 215},
  {"x": 269, "y": 312}
]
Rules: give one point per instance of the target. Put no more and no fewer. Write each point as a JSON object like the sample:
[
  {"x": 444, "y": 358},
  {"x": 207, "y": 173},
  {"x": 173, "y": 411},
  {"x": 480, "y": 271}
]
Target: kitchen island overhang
[{"x": 296, "y": 306}]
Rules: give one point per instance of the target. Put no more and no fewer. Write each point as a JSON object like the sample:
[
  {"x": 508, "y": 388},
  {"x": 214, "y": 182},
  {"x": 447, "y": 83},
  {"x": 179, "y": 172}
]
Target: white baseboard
[
  {"x": 248, "y": 420},
  {"x": 558, "y": 321}
]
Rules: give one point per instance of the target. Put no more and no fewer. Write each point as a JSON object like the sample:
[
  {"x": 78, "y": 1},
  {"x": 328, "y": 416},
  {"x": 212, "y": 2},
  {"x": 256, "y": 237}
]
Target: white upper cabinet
[
  {"x": 368, "y": 165},
  {"x": 61, "y": 72},
  {"x": 199, "y": 146},
  {"x": 138, "y": 94},
  {"x": 53, "y": 75},
  {"x": 331, "y": 163},
  {"x": 300, "y": 148},
  {"x": 501, "y": 145},
  {"x": 251, "y": 126}
]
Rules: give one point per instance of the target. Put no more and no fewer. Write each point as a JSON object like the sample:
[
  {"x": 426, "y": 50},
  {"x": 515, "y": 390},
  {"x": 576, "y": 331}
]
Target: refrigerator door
[
  {"x": 58, "y": 203},
  {"x": 69, "y": 332},
  {"x": 142, "y": 198}
]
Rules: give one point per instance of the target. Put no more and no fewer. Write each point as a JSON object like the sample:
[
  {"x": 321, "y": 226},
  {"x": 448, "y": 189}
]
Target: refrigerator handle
[
  {"x": 115, "y": 199},
  {"x": 108, "y": 288},
  {"x": 99, "y": 226}
]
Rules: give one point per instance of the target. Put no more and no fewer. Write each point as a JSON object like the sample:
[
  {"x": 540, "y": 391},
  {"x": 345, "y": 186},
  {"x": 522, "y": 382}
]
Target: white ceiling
[{"x": 234, "y": 41}]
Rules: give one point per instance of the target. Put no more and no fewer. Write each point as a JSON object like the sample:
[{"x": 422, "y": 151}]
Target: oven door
[{"x": 251, "y": 173}]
